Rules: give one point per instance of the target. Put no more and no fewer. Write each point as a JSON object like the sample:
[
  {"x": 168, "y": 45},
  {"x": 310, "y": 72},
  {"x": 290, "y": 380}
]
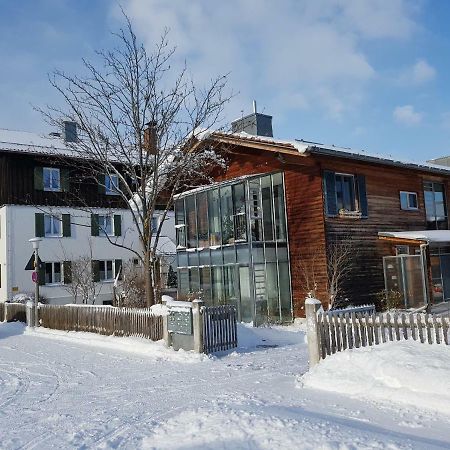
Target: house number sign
[{"x": 180, "y": 321}]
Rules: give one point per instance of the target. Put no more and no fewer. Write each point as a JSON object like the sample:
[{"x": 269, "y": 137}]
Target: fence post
[
  {"x": 30, "y": 314},
  {"x": 166, "y": 334},
  {"x": 197, "y": 324},
  {"x": 312, "y": 305}
]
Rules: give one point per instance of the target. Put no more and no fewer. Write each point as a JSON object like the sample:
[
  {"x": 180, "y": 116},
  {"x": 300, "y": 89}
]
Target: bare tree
[
  {"x": 136, "y": 119},
  {"x": 341, "y": 254},
  {"x": 82, "y": 285},
  {"x": 131, "y": 288},
  {"x": 309, "y": 268}
]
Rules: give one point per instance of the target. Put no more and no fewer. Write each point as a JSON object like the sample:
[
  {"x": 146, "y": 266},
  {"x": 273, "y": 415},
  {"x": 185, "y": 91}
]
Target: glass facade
[{"x": 232, "y": 247}]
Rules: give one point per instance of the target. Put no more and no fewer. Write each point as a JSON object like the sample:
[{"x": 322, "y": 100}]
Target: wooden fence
[
  {"x": 219, "y": 328},
  {"x": 103, "y": 320},
  {"x": 338, "y": 333},
  {"x": 13, "y": 312}
]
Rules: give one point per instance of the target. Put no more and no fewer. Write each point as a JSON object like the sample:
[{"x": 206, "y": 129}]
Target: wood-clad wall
[
  {"x": 383, "y": 185},
  {"x": 17, "y": 184},
  {"x": 310, "y": 229}
]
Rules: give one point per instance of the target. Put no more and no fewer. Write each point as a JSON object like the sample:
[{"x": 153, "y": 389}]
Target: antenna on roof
[{"x": 254, "y": 106}]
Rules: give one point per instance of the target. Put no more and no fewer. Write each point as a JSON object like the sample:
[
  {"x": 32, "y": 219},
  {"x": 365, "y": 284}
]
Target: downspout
[{"x": 424, "y": 261}]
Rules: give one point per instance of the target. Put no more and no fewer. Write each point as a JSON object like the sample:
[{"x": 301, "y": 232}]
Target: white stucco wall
[{"x": 17, "y": 226}]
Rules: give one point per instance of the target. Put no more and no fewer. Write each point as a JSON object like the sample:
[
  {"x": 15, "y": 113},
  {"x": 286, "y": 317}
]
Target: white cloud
[
  {"x": 419, "y": 73},
  {"x": 308, "y": 51},
  {"x": 407, "y": 115},
  {"x": 423, "y": 72}
]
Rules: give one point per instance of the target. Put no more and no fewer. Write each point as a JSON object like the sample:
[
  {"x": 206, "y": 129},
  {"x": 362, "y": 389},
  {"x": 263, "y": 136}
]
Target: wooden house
[{"x": 330, "y": 200}]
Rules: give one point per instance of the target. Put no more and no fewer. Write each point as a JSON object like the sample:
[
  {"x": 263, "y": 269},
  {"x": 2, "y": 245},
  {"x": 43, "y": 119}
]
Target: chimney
[
  {"x": 256, "y": 124},
  {"x": 150, "y": 141},
  {"x": 70, "y": 131}
]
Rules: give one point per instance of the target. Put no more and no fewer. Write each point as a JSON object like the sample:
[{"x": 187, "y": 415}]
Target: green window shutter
[
  {"x": 118, "y": 268},
  {"x": 363, "y": 206},
  {"x": 94, "y": 225},
  {"x": 39, "y": 229},
  {"x": 67, "y": 232},
  {"x": 101, "y": 184},
  {"x": 95, "y": 270},
  {"x": 67, "y": 269},
  {"x": 117, "y": 225},
  {"x": 41, "y": 274},
  {"x": 329, "y": 185},
  {"x": 39, "y": 178},
  {"x": 65, "y": 179}
]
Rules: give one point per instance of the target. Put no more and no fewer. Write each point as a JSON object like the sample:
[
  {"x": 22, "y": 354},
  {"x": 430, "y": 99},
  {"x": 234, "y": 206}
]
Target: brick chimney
[{"x": 150, "y": 140}]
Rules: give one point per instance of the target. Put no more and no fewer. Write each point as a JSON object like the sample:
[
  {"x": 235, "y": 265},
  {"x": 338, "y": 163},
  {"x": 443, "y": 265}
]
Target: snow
[
  {"x": 405, "y": 372},
  {"x": 69, "y": 390},
  {"x": 26, "y": 142},
  {"x": 430, "y": 236}
]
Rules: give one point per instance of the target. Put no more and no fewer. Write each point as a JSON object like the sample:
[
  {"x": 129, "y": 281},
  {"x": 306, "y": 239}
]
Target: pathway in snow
[{"x": 76, "y": 390}]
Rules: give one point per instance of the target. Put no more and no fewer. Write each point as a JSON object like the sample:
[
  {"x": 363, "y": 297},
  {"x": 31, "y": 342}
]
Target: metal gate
[{"x": 219, "y": 328}]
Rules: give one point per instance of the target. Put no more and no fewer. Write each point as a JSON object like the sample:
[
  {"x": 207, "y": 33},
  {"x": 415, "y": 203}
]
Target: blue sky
[{"x": 363, "y": 74}]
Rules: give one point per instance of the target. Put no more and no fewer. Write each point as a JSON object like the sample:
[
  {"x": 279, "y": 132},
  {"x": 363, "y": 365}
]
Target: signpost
[{"x": 34, "y": 277}]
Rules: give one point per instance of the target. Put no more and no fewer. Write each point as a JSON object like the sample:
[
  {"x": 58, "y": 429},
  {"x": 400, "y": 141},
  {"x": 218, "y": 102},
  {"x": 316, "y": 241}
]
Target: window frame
[
  {"x": 355, "y": 200},
  {"x": 61, "y": 273},
  {"x": 434, "y": 216},
  {"x": 53, "y": 218},
  {"x": 101, "y": 228},
  {"x": 51, "y": 170},
  {"x": 111, "y": 187},
  {"x": 408, "y": 206},
  {"x": 104, "y": 262}
]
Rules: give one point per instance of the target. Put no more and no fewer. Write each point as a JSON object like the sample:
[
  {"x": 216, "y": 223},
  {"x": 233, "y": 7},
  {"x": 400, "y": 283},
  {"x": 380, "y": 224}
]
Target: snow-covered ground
[{"x": 79, "y": 390}]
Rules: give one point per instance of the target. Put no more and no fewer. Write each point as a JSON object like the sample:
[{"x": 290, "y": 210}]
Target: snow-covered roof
[
  {"x": 429, "y": 236},
  {"x": 306, "y": 147},
  {"x": 26, "y": 142}
]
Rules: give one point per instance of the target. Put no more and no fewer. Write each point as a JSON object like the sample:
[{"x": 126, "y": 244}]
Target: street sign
[{"x": 34, "y": 277}]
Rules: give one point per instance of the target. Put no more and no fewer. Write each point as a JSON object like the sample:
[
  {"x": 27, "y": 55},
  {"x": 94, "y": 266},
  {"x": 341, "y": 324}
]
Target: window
[
  {"x": 111, "y": 184},
  {"x": 240, "y": 221},
  {"x": 345, "y": 194},
  {"x": 51, "y": 179},
  {"x": 105, "y": 224},
  {"x": 408, "y": 200},
  {"x": 106, "y": 270},
  {"x": 52, "y": 225},
  {"x": 53, "y": 273},
  {"x": 435, "y": 206},
  {"x": 180, "y": 225},
  {"x": 155, "y": 224}
]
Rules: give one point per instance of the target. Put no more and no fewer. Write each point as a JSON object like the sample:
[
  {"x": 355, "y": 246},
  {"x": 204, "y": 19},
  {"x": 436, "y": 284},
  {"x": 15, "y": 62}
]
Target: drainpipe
[{"x": 423, "y": 258}]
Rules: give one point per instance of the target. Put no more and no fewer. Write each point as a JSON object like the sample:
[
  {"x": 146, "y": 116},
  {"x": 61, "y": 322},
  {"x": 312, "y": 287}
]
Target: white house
[{"x": 38, "y": 180}]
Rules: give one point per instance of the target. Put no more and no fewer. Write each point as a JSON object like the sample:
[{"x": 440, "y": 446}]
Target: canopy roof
[{"x": 426, "y": 236}]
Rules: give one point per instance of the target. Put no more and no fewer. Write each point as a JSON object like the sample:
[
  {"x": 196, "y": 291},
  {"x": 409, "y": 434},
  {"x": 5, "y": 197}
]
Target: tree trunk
[{"x": 149, "y": 288}]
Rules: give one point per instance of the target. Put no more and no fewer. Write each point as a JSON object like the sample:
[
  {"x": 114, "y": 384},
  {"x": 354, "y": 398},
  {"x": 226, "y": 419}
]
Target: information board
[{"x": 180, "y": 321}]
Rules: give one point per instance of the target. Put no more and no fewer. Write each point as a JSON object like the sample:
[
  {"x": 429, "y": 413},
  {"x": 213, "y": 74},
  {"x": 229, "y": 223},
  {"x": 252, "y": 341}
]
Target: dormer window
[{"x": 51, "y": 179}]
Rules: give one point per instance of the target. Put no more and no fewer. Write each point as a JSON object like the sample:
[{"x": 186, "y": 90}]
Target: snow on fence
[
  {"x": 103, "y": 320},
  {"x": 219, "y": 328},
  {"x": 328, "y": 334}
]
